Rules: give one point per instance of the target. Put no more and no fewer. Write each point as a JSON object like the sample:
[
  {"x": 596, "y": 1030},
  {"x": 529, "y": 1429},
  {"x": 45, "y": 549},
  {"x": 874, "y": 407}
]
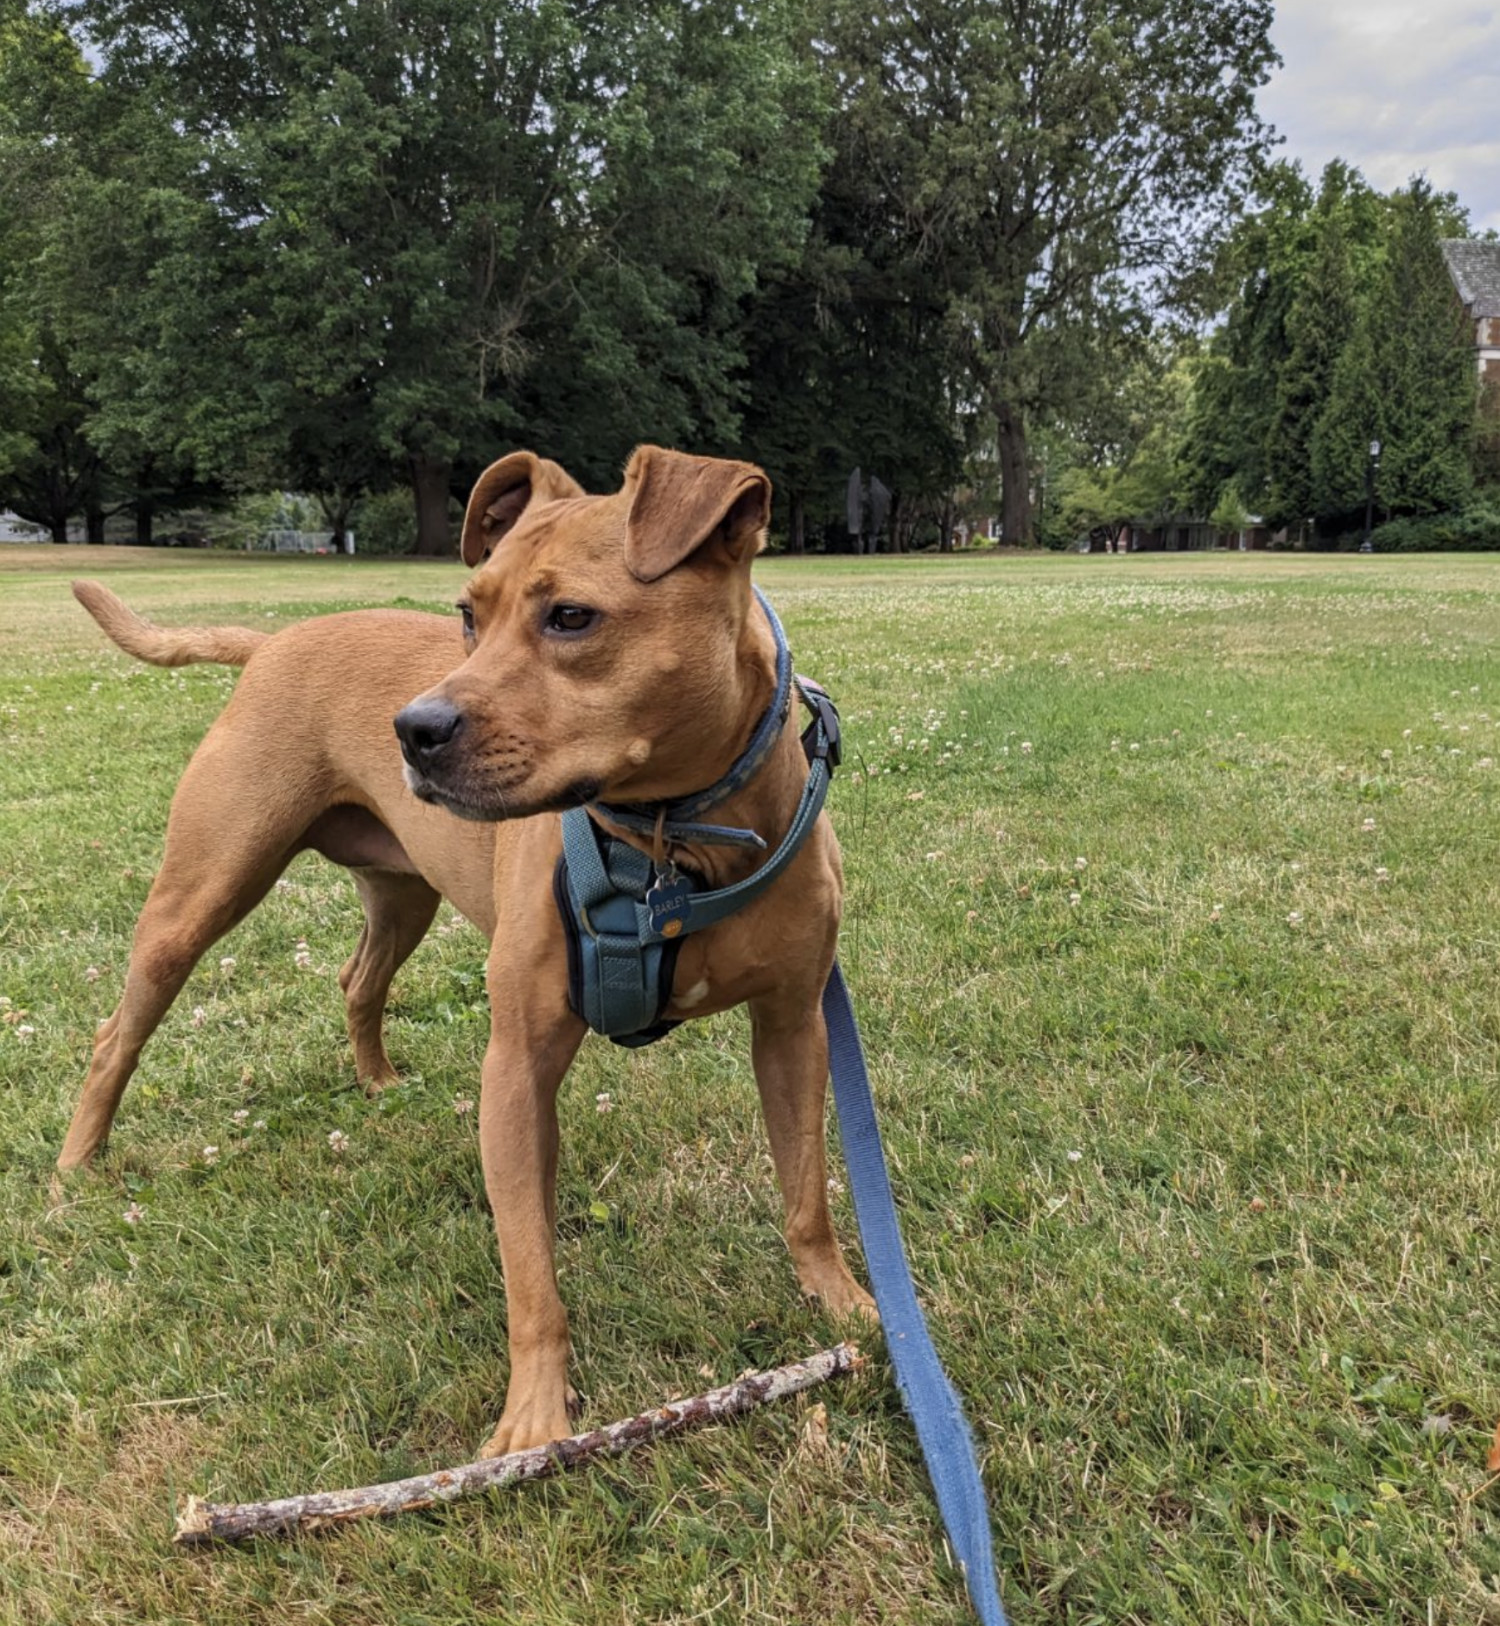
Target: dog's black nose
[{"x": 426, "y": 728}]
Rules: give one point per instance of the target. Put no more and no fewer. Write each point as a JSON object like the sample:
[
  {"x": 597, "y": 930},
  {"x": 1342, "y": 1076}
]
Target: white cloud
[{"x": 1393, "y": 88}]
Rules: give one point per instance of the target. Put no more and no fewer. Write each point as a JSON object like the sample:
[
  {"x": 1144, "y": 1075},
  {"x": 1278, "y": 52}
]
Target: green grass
[{"x": 1197, "y": 1144}]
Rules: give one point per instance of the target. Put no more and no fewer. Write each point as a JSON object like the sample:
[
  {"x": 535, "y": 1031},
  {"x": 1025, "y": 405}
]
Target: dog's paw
[
  {"x": 849, "y": 1300},
  {"x": 525, "y": 1430}
]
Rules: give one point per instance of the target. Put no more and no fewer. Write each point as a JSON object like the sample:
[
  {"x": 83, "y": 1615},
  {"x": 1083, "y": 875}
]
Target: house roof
[{"x": 1475, "y": 269}]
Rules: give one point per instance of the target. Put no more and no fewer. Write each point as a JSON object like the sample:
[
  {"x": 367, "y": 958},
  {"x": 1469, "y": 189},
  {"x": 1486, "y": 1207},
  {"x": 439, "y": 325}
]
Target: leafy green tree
[
  {"x": 444, "y": 224},
  {"x": 48, "y": 470},
  {"x": 1056, "y": 168}
]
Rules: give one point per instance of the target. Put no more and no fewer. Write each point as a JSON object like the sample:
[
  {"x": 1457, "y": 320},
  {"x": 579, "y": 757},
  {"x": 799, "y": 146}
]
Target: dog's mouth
[{"x": 495, "y": 806}]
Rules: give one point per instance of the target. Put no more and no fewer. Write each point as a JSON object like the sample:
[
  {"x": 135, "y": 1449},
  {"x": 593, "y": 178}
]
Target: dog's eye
[
  {"x": 467, "y": 612},
  {"x": 570, "y": 618}
]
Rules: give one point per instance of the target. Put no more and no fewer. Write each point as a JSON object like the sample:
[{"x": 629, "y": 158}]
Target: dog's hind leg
[
  {"x": 224, "y": 849},
  {"x": 398, "y": 910}
]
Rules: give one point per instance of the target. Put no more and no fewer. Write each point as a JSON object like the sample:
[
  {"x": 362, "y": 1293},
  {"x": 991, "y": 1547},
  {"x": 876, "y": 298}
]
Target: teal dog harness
[{"x": 625, "y": 914}]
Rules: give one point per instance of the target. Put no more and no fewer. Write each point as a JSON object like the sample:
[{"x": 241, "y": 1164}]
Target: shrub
[
  {"x": 385, "y": 523},
  {"x": 1472, "y": 529}
]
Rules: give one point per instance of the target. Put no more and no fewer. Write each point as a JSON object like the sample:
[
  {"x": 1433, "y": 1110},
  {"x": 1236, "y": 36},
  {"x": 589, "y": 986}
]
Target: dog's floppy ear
[
  {"x": 678, "y": 503},
  {"x": 503, "y": 493}
]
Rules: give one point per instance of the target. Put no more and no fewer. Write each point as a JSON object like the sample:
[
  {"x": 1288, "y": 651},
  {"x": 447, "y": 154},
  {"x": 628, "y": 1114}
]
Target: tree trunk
[
  {"x": 891, "y": 542},
  {"x": 145, "y": 518},
  {"x": 797, "y": 541},
  {"x": 429, "y": 482},
  {"x": 94, "y": 520},
  {"x": 1015, "y": 477},
  {"x": 58, "y": 525},
  {"x": 336, "y": 508}
]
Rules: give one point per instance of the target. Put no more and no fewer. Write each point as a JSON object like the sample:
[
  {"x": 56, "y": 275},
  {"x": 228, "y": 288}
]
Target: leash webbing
[{"x": 931, "y": 1400}]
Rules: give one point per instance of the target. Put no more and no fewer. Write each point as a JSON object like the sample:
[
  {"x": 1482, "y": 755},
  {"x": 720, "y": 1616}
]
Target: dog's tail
[{"x": 176, "y": 646}]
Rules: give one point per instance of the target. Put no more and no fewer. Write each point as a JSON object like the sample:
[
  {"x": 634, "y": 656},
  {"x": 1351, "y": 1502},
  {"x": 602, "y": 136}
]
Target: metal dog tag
[{"x": 667, "y": 901}]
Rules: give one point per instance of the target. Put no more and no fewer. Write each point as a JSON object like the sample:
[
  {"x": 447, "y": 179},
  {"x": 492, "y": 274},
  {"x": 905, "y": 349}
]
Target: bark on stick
[{"x": 203, "y": 1522}]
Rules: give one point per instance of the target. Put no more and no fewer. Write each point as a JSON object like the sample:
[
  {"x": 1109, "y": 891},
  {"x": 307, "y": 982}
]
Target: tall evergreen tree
[
  {"x": 1405, "y": 379},
  {"x": 1318, "y": 326},
  {"x": 1425, "y": 365}
]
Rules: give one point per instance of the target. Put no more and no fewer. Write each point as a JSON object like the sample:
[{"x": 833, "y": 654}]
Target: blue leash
[{"x": 931, "y": 1400}]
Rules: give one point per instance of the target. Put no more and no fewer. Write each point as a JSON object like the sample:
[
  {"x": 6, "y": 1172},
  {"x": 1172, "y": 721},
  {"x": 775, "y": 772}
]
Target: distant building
[{"x": 1475, "y": 269}]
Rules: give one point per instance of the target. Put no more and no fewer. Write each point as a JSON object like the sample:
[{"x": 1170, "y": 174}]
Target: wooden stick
[{"x": 202, "y": 1522}]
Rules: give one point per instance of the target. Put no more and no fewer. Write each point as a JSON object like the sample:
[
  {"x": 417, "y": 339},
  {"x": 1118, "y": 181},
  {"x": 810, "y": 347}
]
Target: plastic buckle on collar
[{"x": 826, "y": 713}]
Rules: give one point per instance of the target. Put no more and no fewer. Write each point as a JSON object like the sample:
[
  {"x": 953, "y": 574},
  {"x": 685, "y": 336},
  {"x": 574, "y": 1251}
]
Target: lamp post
[{"x": 1372, "y": 463}]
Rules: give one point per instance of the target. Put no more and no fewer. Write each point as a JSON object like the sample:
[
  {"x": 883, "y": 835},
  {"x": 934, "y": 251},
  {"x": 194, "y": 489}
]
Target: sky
[{"x": 1394, "y": 87}]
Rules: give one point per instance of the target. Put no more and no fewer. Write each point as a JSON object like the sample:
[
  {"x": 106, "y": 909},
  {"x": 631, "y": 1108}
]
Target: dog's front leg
[
  {"x": 789, "y": 1048},
  {"x": 529, "y": 1053}
]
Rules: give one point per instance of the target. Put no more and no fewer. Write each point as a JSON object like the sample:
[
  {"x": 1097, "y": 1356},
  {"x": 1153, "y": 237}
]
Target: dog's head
[{"x": 608, "y": 637}]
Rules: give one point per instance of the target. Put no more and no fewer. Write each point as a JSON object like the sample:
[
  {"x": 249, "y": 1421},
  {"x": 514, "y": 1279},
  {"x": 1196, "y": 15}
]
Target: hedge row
[{"x": 1475, "y": 528}]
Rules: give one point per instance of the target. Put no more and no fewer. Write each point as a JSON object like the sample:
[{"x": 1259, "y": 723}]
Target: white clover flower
[
  {"x": 92, "y": 974},
  {"x": 239, "y": 1115},
  {"x": 602, "y": 1102},
  {"x": 133, "y": 1214},
  {"x": 1368, "y": 825},
  {"x": 227, "y": 963},
  {"x": 1075, "y": 1157},
  {"x": 1080, "y": 863},
  {"x": 1295, "y": 918},
  {"x": 210, "y": 1155},
  {"x": 462, "y": 1105},
  {"x": 1026, "y": 748},
  {"x": 338, "y": 1142}
]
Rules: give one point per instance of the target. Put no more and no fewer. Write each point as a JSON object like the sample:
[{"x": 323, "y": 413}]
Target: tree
[
  {"x": 1318, "y": 325},
  {"x": 443, "y": 224},
  {"x": 1405, "y": 378},
  {"x": 1058, "y": 167},
  {"x": 47, "y": 468}
]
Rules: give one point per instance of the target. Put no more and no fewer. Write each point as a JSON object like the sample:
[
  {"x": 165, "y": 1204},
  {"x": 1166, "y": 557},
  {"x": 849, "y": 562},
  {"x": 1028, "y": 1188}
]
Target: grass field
[{"x": 1173, "y": 930}]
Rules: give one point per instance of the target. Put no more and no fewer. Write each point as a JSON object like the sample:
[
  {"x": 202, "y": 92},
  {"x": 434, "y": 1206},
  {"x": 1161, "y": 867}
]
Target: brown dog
[{"x": 610, "y": 649}]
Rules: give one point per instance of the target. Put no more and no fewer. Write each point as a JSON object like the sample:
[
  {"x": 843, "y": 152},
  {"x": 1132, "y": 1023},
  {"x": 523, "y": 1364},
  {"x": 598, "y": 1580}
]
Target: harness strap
[
  {"x": 623, "y": 981},
  {"x": 704, "y": 909},
  {"x": 931, "y": 1400}
]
